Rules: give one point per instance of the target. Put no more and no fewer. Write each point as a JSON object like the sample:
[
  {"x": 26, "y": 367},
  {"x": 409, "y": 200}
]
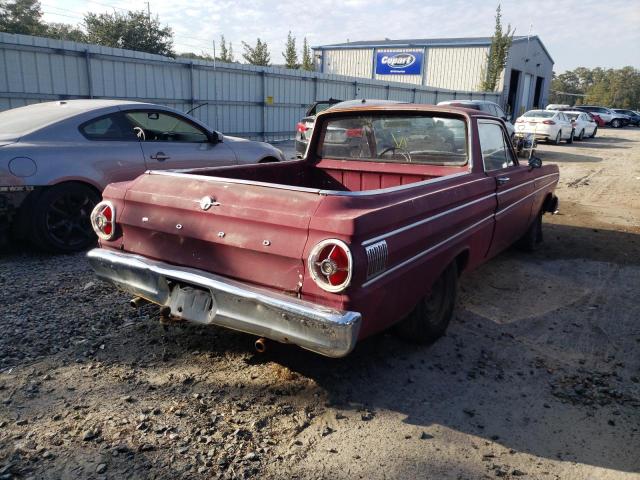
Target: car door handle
[
  {"x": 503, "y": 180},
  {"x": 160, "y": 156}
]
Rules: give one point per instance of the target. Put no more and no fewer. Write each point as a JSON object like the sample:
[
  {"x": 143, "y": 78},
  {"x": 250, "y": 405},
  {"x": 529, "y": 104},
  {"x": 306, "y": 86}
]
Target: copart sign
[{"x": 399, "y": 63}]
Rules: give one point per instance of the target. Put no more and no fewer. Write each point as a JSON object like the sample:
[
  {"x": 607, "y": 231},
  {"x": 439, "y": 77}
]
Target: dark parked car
[
  {"x": 614, "y": 119},
  {"x": 634, "y": 118}
]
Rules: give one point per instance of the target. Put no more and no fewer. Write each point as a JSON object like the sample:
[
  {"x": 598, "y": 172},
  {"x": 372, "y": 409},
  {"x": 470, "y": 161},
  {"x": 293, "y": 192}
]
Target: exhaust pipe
[
  {"x": 261, "y": 345},
  {"x": 137, "y": 302}
]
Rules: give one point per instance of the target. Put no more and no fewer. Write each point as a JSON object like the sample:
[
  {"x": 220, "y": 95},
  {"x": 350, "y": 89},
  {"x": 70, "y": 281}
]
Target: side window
[
  {"x": 110, "y": 127},
  {"x": 154, "y": 126},
  {"x": 495, "y": 152}
]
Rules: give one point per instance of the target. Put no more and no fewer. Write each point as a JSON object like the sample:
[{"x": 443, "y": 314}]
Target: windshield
[
  {"x": 539, "y": 113},
  {"x": 436, "y": 140}
]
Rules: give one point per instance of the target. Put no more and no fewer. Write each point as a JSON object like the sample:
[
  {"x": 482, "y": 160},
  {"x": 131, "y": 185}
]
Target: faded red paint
[{"x": 263, "y": 234}]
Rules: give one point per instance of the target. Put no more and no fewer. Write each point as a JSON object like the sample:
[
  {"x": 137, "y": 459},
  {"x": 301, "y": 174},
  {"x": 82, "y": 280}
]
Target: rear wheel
[
  {"x": 60, "y": 221},
  {"x": 595, "y": 130},
  {"x": 616, "y": 123},
  {"x": 430, "y": 318},
  {"x": 581, "y": 136},
  {"x": 558, "y": 138},
  {"x": 571, "y": 135}
]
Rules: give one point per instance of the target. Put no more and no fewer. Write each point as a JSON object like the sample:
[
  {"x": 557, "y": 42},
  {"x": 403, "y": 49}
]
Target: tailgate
[{"x": 252, "y": 232}]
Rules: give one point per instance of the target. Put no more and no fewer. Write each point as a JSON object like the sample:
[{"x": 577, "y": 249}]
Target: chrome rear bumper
[{"x": 234, "y": 305}]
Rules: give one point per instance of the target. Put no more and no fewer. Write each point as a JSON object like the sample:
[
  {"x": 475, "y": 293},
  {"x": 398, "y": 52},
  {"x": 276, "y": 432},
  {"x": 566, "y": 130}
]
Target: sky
[{"x": 577, "y": 33}]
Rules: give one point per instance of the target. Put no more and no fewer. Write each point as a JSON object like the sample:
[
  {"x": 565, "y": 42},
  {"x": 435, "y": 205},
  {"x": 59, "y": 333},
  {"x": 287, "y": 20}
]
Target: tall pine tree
[
  {"x": 497, "y": 57},
  {"x": 226, "y": 53},
  {"x": 290, "y": 55},
  {"x": 307, "y": 59}
]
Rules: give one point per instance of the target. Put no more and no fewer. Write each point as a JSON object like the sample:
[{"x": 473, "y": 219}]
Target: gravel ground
[{"x": 538, "y": 376}]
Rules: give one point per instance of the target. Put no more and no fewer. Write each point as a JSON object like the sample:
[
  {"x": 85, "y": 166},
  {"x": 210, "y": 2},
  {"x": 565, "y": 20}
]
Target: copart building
[{"x": 447, "y": 63}]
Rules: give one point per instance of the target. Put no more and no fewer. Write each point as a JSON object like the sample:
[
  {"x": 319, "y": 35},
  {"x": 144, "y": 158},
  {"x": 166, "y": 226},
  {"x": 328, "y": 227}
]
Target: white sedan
[
  {"x": 550, "y": 125},
  {"x": 583, "y": 124}
]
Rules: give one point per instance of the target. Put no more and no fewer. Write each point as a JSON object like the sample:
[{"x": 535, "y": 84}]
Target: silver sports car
[{"x": 57, "y": 157}]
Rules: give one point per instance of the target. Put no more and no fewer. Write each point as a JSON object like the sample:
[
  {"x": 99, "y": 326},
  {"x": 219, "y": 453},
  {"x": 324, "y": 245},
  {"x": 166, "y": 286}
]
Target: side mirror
[
  {"x": 216, "y": 137},
  {"x": 535, "y": 162}
]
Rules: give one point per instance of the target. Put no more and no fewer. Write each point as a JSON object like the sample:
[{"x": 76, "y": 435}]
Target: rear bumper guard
[{"x": 234, "y": 305}]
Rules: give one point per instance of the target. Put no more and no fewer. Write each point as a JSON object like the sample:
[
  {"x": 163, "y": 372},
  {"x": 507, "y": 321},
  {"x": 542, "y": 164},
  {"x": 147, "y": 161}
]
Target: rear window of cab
[{"x": 421, "y": 139}]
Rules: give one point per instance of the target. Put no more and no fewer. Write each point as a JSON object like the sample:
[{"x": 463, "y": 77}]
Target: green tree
[
  {"x": 131, "y": 30},
  {"x": 258, "y": 55},
  {"x": 62, "y": 31},
  {"x": 611, "y": 87},
  {"x": 290, "y": 55},
  {"x": 307, "y": 59},
  {"x": 21, "y": 16},
  {"x": 498, "y": 52},
  {"x": 226, "y": 53}
]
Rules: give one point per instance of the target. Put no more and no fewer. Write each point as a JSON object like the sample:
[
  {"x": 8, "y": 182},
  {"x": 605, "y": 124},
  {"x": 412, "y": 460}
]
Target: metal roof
[{"x": 427, "y": 42}]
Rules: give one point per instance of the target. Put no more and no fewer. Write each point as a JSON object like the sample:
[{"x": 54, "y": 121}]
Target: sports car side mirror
[{"x": 535, "y": 162}]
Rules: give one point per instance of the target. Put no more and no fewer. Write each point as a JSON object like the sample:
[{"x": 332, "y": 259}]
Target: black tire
[
  {"x": 60, "y": 220},
  {"x": 581, "y": 136},
  {"x": 595, "y": 130},
  {"x": 431, "y": 316},
  {"x": 558, "y": 138},
  {"x": 616, "y": 123},
  {"x": 571, "y": 135},
  {"x": 532, "y": 238}
]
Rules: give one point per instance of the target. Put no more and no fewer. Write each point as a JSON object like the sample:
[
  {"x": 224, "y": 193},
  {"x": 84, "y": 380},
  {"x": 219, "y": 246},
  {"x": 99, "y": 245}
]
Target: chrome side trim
[
  {"x": 235, "y": 181},
  {"x": 425, "y": 220},
  {"x": 425, "y": 252},
  {"x": 234, "y": 305},
  {"x": 524, "y": 198},
  {"x": 377, "y": 255},
  {"x": 527, "y": 183}
]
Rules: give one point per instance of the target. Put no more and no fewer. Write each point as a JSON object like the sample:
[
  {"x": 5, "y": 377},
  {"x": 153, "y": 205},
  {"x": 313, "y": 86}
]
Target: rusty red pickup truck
[{"x": 371, "y": 229}]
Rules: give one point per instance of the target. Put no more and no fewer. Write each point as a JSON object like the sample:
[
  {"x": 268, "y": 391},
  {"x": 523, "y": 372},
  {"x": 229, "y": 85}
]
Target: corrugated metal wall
[
  {"x": 245, "y": 100},
  {"x": 456, "y": 68},
  {"x": 351, "y": 63}
]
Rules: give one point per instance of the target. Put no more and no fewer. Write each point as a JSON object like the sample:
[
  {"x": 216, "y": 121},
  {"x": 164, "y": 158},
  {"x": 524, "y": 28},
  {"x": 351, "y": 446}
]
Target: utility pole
[{"x": 148, "y": 18}]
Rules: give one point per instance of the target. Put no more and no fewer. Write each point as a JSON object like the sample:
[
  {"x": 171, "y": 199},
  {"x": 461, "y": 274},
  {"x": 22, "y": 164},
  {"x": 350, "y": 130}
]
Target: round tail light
[
  {"x": 103, "y": 220},
  {"x": 330, "y": 264}
]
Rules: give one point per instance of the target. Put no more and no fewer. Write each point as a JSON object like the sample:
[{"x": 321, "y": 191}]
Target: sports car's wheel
[
  {"x": 430, "y": 318},
  {"x": 60, "y": 221},
  {"x": 533, "y": 236}
]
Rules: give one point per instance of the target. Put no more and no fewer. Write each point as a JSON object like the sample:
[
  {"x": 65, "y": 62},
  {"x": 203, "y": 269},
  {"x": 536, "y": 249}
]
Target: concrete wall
[{"x": 245, "y": 100}]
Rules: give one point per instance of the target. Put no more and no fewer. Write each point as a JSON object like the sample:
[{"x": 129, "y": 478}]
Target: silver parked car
[{"x": 57, "y": 157}]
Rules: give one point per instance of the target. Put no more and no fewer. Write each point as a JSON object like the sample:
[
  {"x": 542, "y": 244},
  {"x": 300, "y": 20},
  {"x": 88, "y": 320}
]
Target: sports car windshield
[{"x": 435, "y": 140}]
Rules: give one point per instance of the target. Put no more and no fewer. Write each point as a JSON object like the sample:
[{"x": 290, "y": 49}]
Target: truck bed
[{"x": 334, "y": 175}]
